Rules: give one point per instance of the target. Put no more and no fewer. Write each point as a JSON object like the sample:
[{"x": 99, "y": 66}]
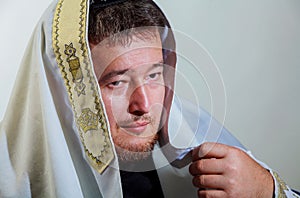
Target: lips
[{"x": 136, "y": 127}]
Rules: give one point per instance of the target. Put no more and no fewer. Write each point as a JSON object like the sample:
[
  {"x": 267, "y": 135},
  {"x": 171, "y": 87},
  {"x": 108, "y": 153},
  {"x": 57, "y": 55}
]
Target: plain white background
[{"x": 256, "y": 45}]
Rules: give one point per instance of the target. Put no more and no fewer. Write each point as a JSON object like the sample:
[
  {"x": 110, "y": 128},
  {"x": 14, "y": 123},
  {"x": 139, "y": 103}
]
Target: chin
[{"x": 134, "y": 148}]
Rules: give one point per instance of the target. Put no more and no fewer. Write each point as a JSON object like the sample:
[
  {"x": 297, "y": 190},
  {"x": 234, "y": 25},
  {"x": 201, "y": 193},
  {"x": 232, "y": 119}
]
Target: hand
[{"x": 224, "y": 171}]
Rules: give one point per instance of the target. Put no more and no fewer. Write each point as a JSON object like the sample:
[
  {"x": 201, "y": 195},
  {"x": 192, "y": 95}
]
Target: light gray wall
[{"x": 256, "y": 45}]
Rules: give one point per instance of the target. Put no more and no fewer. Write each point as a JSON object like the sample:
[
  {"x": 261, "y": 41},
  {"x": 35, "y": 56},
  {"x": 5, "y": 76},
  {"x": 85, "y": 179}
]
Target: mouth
[{"x": 136, "y": 127}]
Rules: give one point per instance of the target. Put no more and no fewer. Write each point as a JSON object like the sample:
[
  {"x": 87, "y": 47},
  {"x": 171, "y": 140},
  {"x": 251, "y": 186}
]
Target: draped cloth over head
[
  {"x": 70, "y": 46},
  {"x": 54, "y": 138}
]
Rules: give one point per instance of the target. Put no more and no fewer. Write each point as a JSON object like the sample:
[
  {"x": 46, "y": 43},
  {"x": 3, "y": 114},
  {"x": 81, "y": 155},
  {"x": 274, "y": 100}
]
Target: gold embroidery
[
  {"x": 281, "y": 186},
  {"x": 88, "y": 120},
  {"x": 69, "y": 24},
  {"x": 75, "y": 69}
]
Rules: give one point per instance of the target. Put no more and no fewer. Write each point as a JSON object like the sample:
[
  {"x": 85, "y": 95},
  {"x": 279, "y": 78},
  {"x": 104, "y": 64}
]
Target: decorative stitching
[
  {"x": 57, "y": 53},
  {"x": 281, "y": 186},
  {"x": 105, "y": 153},
  {"x": 75, "y": 69},
  {"x": 98, "y": 106}
]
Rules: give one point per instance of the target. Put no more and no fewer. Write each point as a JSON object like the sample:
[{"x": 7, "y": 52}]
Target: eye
[
  {"x": 154, "y": 76},
  {"x": 115, "y": 84}
]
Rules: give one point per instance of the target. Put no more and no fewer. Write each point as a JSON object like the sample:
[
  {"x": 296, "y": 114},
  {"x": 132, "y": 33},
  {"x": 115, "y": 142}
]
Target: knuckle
[
  {"x": 201, "y": 166},
  {"x": 236, "y": 153},
  {"x": 199, "y": 181},
  {"x": 205, "y": 148},
  {"x": 227, "y": 166},
  {"x": 197, "y": 167},
  {"x": 231, "y": 183},
  {"x": 202, "y": 150},
  {"x": 231, "y": 150},
  {"x": 232, "y": 168},
  {"x": 202, "y": 180}
]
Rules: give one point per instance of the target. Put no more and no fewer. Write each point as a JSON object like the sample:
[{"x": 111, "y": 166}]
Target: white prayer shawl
[{"x": 41, "y": 151}]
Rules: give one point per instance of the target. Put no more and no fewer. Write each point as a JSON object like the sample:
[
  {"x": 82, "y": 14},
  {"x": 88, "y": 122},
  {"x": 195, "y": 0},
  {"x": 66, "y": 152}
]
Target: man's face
[{"x": 132, "y": 88}]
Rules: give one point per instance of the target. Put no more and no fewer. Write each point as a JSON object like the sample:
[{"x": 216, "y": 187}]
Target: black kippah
[{"x": 105, "y": 3}]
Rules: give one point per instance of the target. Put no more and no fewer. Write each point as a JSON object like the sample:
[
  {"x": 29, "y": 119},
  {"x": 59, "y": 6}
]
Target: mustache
[{"x": 143, "y": 118}]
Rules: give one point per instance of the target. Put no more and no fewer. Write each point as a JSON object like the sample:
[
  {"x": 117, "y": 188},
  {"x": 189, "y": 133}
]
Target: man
[{"x": 93, "y": 119}]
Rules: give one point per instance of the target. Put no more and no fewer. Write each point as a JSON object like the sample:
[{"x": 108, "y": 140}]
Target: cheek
[
  {"x": 108, "y": 105},
  {"x": 114, "y": 106},
  {"x": 158, "y": 95},
  {"x": 157, "y": 99}
]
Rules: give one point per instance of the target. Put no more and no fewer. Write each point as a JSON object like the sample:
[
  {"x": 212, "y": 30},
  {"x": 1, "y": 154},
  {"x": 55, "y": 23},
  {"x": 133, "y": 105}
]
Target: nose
[{"x": 139, "y": 102}]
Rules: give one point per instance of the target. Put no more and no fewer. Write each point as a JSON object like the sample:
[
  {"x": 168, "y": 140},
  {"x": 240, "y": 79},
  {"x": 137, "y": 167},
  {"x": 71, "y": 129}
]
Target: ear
[
  {"x": 66, "y": 46},
  {"x": 71, "y": 45}
]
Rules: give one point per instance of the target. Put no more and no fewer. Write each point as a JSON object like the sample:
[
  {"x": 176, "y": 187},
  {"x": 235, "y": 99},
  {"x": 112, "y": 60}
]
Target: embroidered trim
[
  {"x": 56, "y": 48},
  {"x": 69, "y": 32},
  {"x": 97, "y": 102},
  {"x": 281, "y": 186},
  {"x": 75, "y": 69}
]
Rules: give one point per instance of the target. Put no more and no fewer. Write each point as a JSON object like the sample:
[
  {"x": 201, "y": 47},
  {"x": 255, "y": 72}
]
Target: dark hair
[{"x": 125, "y": 18}]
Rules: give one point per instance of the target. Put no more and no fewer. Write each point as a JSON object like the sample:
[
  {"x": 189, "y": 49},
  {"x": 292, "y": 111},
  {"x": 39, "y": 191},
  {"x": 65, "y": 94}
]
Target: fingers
[
  {"x": 207, "y": 166},
  {"x": 210, "y": 150},
  {"x": 224, "y": 171},
  {"x": 208, "y": 169},
  {"x": 211, "y": 193},
  {"x": 209, "y": 182}
]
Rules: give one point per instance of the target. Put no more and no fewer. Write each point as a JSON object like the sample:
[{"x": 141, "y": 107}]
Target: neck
[{"x": 143, "y": 165}]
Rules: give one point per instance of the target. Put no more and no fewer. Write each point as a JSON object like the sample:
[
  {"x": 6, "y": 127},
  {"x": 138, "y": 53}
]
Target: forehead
[{"x": 136, "y": 52}]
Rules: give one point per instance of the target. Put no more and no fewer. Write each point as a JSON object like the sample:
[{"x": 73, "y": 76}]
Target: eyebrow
[
  {"x": 159, "y": 64},
  {"x": 121, "y": 72},
  {"x": 112, "y": 74}
]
